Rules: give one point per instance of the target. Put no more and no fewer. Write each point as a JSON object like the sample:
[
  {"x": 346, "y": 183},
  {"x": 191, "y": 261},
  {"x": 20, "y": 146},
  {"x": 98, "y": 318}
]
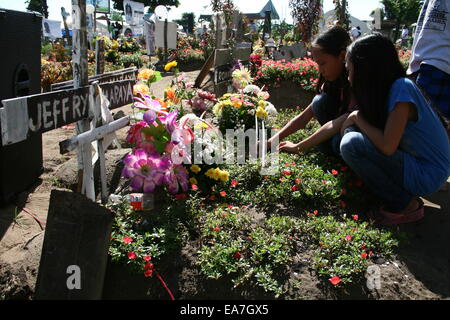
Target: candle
[
  {"x": 256, "y": 134},
  {"x": 263, "y": 145}
]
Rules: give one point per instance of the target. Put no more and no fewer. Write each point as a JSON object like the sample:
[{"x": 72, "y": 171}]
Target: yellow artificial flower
[
  {"x": 261, "y": 113},
  {"x": 170, "y": 65},
  {"x": 216, "y": 174},
  {"x": 193, "y": 181},
  {"x": 201, "y": 125},
  {"x": 226, "y": 96},
  {"x": 195, "y": 168},
  {"x": 210, "y": 173},
  {"x": 224, "y": 176},
  {"x": 262, "y": 103},
  {"x": 217, "y": 109},
  {"x": 141, "y": 88},
  {"x": 145, "y": 74}
]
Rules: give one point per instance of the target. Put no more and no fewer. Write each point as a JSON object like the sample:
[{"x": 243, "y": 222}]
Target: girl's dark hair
[
  {"x": 333, "y": 42},
  {"x": 376, "y": 66}
]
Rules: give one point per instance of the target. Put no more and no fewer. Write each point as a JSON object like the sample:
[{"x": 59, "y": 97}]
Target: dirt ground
[{"x": 421, "y": 269}]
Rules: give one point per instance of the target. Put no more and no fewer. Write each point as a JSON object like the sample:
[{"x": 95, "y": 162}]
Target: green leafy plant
[
  {"x": 131, "y": 60},
  {"x": 232, "y": 245},
  {"x": 345, "y": 246}
]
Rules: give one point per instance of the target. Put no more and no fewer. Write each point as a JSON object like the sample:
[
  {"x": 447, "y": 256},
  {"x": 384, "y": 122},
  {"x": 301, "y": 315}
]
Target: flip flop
[{"x": 386, "y": 218}]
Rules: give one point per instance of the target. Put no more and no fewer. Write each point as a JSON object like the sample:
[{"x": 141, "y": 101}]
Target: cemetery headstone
[
  {"x": 289, "y": 53},
  {"x": 75, "y": 250},
  {"x": 223, "y": 65}
]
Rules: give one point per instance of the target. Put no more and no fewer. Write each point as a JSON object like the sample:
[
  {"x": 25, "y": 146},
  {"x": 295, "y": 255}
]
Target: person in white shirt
[{"x": 430, "y": 58}]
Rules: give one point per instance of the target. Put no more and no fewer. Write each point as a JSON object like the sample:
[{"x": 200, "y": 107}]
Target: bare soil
[{"x": 421, "y": 269}]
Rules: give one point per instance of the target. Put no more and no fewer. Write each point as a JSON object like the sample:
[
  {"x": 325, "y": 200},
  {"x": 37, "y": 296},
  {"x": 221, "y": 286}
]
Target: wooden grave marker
[
  {"x": 113, "y": 76},
  {"x": 223, "y": 64},
  {"x": 25, "y": 116}
]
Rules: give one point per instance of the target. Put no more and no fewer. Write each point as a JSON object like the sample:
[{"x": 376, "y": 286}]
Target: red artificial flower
[
  {"x": 355, "y": 217},
  {"x": 244, "y": 207},
  {"x": 348, "y": 238},
  {"x": 223, "y": 194},
  {"x": 147, "y": 258},
  {"x": 131, "y": 255},
  {"x": 335, "y": 280},
  {"x": 194, "y": 187},
  {"x": 342, "y": 203},
  {"x": 237, "y": 255},
  {"x": 334, "y": 172},
  {"x": 364, "y": 255},
  {"x": 315, "y": 212},
  {"x": 230, "y": 206},
  {"x": 324, "y": 182},
  {"x": 370, "y": 253},
  {"x": 294, "y": 188},
  {"x": 216, "y": 229},
  {"x": 224, "y": 215},
  {"x": 344, "y": 168},
  {"x": 180, "y": 196},
  {"x": 148, "y": 273},
  {"x": 234, "y": 183},
  {"x": 212, "y": 198},
  {"x": 321, "y": 245},
  {"x": 298, "y": 181},
  {"x": 149, "y": 266},
  {"x": 286, "y": 173},
  {"x": 293, "y": 163},
  {"x": 127, "y": 240}
]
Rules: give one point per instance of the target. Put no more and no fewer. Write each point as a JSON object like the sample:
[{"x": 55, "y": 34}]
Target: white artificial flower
[
  {"x": 252, "y": 89},
  {"x": 271, "y": 110}
]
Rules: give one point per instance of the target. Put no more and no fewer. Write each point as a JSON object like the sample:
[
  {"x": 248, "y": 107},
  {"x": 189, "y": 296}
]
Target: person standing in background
[
  {"x": 355, "y": 33},
  {"x": 430, "y": 58},
  {"x": 404, "y": 36}
]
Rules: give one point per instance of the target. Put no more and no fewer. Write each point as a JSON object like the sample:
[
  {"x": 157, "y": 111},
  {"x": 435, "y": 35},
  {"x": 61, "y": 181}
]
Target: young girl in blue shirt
[{"x": 396, "y": 141}]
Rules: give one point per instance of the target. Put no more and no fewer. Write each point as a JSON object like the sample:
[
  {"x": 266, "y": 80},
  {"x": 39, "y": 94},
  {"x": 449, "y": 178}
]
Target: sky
[{"x": 360, "y": 9}]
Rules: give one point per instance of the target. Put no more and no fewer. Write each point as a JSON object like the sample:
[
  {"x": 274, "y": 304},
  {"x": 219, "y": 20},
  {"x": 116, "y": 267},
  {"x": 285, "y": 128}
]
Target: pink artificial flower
[
  {"x": 175, "y": 177},
  {"x": 145, "y": 171}
]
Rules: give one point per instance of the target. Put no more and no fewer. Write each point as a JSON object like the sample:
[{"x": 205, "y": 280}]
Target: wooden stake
[
  {"x": 80, "y": 67},
  {"x": 100, "y": 56}
]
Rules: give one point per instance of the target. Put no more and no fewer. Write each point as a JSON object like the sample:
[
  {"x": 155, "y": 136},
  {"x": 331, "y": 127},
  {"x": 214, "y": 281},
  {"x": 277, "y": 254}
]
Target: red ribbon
[{"x": 164, "y": 284}]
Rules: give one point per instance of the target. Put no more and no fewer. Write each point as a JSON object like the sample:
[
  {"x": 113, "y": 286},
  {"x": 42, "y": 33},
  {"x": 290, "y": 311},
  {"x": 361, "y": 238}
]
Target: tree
[
  {"x": 307, "y": 14},
  {"x": 38, "y": 6},
  {"x": 118, "y": 4},
  {"x": 403, "y": 12},
  {"x": 187, "y": 21},
  {"x": 342, "y": 13}
]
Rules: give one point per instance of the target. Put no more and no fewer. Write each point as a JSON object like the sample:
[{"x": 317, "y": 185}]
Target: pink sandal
[{"x": 386, "y": 218}]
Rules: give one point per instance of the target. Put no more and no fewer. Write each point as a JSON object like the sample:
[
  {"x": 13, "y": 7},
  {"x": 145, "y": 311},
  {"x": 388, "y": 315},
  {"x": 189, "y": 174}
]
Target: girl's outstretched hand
[
  {"x": 351, "y": 121},
  {"x": 288, "y": 147}
]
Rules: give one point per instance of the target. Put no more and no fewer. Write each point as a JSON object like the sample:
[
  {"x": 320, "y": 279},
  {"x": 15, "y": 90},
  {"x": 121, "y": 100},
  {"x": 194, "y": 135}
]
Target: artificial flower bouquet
[{"x": 245, "y": 108}]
